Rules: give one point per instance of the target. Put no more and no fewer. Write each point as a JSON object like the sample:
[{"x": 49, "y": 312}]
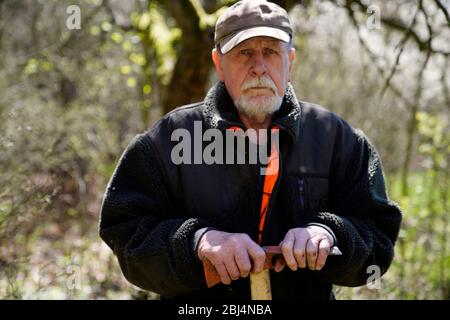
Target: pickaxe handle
[
  {"x": 260, "y": 285},
  {"x": 213, "y": 278}
]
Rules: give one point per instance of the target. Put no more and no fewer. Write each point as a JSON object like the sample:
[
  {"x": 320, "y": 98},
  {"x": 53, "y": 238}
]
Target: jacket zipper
[{"x": 301, "y": 188}]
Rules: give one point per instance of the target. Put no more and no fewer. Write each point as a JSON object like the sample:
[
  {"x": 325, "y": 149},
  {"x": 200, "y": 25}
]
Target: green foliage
[{"x": 422, "y": 263}]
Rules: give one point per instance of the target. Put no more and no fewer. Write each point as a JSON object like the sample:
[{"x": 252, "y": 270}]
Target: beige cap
[{"x": 251, "y": 18}]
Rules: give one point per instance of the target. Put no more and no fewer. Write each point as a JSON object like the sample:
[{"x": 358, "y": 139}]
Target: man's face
[{"x": 256, "y": 71}]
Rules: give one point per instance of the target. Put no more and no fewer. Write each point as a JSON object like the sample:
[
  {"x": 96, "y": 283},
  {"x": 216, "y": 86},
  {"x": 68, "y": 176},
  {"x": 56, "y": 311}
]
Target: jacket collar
[{"x": 220, "y": 113}]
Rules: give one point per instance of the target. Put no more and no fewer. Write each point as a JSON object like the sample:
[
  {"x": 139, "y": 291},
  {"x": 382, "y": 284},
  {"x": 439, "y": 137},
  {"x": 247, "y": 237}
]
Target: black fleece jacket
[{"x": 329, "y": 174}]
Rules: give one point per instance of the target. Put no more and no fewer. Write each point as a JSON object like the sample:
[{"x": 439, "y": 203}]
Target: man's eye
[
  {"x": 245, "y": 52},
  {"x": 269, "y": 51}
]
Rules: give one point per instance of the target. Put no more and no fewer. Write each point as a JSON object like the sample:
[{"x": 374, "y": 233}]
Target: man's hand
[
  {"x": 232, "y": 254},
  {"x": 305, "y": 247}
]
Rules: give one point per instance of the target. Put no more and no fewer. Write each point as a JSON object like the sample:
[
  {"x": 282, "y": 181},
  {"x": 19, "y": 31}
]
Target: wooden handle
[
  {"x": 212, "y": 277},
  {"x": 260, "y": 285}
]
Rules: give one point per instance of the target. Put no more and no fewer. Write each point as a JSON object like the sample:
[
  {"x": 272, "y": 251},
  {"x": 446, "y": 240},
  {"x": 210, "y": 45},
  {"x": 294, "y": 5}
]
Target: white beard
[{"x": 259, "y": 107}]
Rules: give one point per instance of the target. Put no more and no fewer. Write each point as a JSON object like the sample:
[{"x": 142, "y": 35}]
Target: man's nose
[{"x": 259, "y": 67}]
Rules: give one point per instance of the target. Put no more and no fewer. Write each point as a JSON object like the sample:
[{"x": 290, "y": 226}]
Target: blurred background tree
[{"x": 71, "y": 100}]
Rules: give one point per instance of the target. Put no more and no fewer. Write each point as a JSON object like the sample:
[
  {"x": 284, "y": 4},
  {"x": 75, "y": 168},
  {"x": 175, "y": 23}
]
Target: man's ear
[
  {"x": 217, "y": 63},
  {"x": 291, "y": 61},
  {"x": 291, "y": 55}
]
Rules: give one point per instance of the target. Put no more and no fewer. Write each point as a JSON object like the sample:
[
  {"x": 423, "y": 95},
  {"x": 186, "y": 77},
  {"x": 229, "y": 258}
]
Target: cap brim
[{"x": 229, "y": 43}]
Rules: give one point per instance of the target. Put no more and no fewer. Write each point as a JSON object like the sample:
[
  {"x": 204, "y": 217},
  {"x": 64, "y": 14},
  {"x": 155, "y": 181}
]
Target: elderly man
[{"x": 324, "y": 185}]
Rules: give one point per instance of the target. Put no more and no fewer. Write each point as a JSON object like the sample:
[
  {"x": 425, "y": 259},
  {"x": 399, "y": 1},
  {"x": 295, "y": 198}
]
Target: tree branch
[
  {"x": 401, "y": 45},
  {"x": 443, "y": 9},
  {"x": 399, "y": 25},
  {"x": 374, "y": 57},
  {"x": 412, "y": 126},
  {"x": 444, "y": 84}
]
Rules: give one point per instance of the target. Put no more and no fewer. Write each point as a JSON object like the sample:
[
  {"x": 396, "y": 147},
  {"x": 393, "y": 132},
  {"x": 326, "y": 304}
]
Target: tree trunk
[
  {"x": 191, "y": 74},
  {"x": 411, "y": 133}
]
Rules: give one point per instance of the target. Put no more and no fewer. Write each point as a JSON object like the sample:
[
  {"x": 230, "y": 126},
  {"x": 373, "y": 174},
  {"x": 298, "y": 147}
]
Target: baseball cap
[{"x": 251, "y": 18}]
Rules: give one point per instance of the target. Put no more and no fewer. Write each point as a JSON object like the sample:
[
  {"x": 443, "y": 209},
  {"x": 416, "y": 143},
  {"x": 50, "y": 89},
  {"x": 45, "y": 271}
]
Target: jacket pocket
[
  {"x": 308, "y": 197},
  {"x": 316, "y": 196}
]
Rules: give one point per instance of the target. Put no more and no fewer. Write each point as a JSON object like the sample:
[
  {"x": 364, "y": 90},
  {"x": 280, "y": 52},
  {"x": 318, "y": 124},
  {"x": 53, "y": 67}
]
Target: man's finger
[
  {"x": 223, "y": 273},
  {"x": 311, "y": 254},
  {"x": 287, "y": 246},
  {"x": 279, "y": 264},
  {"x": 232, "y": 269},
  {"x": 243, "y": 263},
  {"x": 324, "y": 251},
  {"x": 258, "y": 257},
  {"x": 300, "y": 250}
]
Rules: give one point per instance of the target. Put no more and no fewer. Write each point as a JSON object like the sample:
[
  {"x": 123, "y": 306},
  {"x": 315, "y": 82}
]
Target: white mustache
[{"x": 265, "y": 82}]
